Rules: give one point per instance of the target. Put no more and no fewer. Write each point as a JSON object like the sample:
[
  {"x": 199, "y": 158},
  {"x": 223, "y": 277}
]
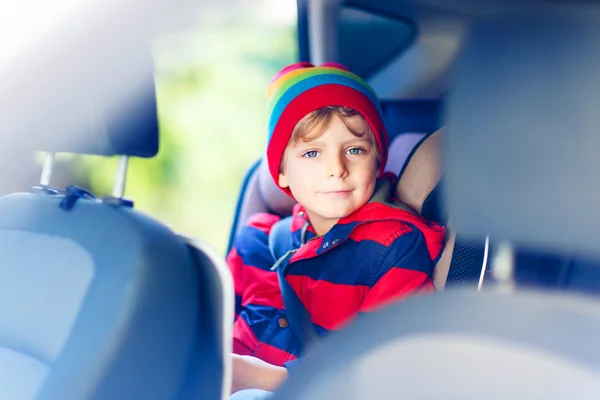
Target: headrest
[
  {"x": 523, "y": 160},
  {"x": 400, "y": 150},
  {"x": 277, "y": 201},
  {"x": 99, "y": 103},
  {"x": 421, "y": 173}
]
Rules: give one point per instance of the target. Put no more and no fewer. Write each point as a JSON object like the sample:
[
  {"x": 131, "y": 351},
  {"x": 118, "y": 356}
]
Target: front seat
[
  {"x": 463, "y": 262},
  {"x": 99, "y": 301}
]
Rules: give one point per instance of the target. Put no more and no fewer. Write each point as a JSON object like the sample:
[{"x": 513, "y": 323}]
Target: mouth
[{"x": 338, "y": 193}]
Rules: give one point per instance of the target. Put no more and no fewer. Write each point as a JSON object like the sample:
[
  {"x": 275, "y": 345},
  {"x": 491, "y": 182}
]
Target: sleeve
[
  {"x": 235, "y": 264},
  {"x": 406, "y": 269},
  {"x": 257, "y": 294}
]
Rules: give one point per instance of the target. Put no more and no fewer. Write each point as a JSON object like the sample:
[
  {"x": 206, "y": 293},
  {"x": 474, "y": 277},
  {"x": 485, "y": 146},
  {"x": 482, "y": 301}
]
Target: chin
[{"x": 338, "y": 213}]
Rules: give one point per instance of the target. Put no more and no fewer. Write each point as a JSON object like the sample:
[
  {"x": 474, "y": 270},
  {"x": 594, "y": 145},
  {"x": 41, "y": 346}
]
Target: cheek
[
  {"x": 369, "y": 170},
  {"x": 369, "y": 179},
  {"x": 376, "y": 164},
  {"x": 301, "y": 188},
  {"x": 300, "y": 177}
]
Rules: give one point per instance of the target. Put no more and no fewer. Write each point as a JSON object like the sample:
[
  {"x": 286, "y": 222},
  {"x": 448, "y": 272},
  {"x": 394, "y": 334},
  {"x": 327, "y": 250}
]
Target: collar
[{"x": 380, "y": 207}]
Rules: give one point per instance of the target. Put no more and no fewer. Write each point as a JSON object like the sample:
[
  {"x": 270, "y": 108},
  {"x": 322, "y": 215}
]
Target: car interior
[{"x": 494, "y": 133}]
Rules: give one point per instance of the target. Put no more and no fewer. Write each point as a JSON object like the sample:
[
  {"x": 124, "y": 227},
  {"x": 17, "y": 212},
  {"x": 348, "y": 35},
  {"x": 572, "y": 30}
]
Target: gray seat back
[
  {"x": 535, "y": 162},
  {"x": 98, "y": 301},
  {"x": 463, "y": 262},
  {"x": 418, "y": 178},
  {"x": 459, "y": 345}
]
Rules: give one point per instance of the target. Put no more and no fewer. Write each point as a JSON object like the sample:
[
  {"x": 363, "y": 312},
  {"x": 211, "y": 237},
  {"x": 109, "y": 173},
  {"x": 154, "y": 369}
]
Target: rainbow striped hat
[{"x": 301, "y": 88}]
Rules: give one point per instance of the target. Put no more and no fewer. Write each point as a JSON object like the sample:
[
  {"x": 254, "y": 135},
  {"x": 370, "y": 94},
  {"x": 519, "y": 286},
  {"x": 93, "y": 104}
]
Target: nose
[{"x": 336, "y": 166}]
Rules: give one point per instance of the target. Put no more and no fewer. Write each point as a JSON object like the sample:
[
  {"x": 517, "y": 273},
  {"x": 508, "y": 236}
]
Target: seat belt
[
  {"x": 282, "y": 249},
  {"x": 280, "y": 239}
]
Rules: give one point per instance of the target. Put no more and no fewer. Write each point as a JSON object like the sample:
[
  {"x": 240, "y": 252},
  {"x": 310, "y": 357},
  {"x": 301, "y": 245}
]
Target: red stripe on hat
[
  {"x": 289, "y": 68},
  {"x": 332, "y": 64}
]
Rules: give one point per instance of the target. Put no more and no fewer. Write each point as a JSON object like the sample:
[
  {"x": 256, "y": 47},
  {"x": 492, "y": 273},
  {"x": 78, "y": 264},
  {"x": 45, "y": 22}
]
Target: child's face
[{"x": 332, "y": 175}]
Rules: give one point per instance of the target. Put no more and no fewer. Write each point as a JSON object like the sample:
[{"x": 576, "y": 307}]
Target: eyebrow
[
  {"x": 357, "y": 139},
  {"x": 318, "y": 143}
]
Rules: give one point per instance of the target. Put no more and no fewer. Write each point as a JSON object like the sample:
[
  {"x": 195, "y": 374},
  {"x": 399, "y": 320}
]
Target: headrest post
[
  {"x": 121, "y": 178},
  {"x": 47, "y": 169},
  {"x": 503, "y": 266}
]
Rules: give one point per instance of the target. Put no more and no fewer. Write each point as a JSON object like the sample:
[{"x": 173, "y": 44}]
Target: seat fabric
[{"x": 95, "y": 302}]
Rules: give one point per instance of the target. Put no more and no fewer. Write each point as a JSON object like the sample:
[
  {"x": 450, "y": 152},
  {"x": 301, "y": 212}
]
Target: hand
[{"x": 253, "y": 373}]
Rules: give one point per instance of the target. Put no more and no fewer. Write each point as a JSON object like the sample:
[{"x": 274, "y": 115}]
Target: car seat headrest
[
  {"x": 275, "y": 199},
  {"x": 101, "y": 104},
  {"x": 400, "y": 150},
  {"x": 420, "y": 176},
  {"x": 524, "y": 121}
]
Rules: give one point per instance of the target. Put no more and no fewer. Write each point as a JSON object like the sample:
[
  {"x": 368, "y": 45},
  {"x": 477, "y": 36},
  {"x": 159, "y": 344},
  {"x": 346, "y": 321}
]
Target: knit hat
[{"x": 301, "y": 88}]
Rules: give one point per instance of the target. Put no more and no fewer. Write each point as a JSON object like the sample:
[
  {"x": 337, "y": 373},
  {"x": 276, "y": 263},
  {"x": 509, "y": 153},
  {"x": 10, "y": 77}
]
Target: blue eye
[
  {"x": 355, "y": 151},
  {"x": 311, "y": 154}
]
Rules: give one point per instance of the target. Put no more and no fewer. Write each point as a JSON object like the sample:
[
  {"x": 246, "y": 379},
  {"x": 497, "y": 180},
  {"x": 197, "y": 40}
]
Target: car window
[{"x": 367, "y": 41}]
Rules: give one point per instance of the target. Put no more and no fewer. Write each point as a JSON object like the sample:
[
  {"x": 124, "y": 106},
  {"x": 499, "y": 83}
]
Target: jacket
[{"x": 381, "y": 253}]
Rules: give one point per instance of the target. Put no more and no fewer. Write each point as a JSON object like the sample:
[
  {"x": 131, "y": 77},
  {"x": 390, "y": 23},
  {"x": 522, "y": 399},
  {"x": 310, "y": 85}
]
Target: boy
[{"x": 327, "y": 149}]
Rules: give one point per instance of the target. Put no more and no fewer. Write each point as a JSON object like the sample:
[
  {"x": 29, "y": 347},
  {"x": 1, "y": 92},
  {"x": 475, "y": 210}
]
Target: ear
[{"x": 283, "y": 181}]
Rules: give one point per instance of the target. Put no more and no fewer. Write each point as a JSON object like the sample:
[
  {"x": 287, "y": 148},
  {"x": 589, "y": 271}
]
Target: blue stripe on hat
[{"x": 310, "y": 83}]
